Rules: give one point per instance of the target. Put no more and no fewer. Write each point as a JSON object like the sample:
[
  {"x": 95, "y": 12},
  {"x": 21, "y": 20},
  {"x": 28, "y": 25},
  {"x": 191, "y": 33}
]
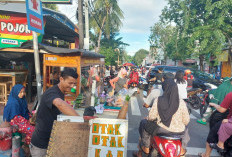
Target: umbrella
[{"x": 128, "y": 64}]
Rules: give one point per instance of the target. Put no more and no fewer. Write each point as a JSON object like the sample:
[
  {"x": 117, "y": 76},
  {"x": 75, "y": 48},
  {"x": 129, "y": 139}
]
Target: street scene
[{"x": 115, "y": 78}]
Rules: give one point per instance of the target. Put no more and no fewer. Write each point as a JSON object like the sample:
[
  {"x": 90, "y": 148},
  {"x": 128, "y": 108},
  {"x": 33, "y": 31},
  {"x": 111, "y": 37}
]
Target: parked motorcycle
[
  {"x": 165, "y": 146},
  {"x": 193, "y": 99}
]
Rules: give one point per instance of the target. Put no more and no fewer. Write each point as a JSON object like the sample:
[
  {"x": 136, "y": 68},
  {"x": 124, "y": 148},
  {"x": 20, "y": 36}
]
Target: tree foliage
[
  {"x": 110, "y": 55},
  {"x": 139, "y": 56},
  {"x": 114, "y": 41},
  {"x": 127, "y": 58},
  {"x": 106, "y": 19},
  {"x": 203, "y": 27}
]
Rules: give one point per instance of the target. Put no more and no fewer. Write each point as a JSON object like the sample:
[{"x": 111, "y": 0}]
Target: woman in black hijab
[{"x": 171, "y": 115}]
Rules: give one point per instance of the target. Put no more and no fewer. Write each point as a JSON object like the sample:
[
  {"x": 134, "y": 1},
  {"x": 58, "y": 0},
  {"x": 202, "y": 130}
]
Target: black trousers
[{"x": 213, "y": 136}]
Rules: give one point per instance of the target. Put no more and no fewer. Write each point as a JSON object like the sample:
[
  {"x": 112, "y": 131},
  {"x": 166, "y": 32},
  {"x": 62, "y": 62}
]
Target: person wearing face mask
[
  {"x": 52, "y": 104},
  {"x": 16, "y": 112}
]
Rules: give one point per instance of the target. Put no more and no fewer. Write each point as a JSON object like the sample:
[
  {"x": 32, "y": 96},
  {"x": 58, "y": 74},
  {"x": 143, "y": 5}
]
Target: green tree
[
  {"x": 127, "y": 58},
  {"x": 107, "y": 18},
  {"x": 204, "y": 26},
  {"x": 50, "y": 6},
  {"x": 114, "y": 41},
  {"x": 110, "y": 55},
  {"x": 164, "y": 37},
  {"x": 139, "y": 56}
]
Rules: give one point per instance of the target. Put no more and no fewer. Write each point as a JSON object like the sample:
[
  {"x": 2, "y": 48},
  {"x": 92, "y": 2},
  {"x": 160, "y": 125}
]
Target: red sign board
[{"x": 14, "y": 30}]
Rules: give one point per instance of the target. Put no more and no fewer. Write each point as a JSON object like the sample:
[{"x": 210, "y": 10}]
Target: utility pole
[
  {"x": 86, "y": 40},
  {"x": 37, "y": 67},
  {"x": 80, "y": 23}
]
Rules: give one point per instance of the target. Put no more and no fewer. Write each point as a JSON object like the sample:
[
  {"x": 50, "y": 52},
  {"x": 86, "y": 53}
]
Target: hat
[{"x": 187, "y": 72}]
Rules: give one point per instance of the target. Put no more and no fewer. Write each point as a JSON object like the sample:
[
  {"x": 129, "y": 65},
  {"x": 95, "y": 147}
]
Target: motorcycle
[
  {"x": 206, "y": 99},
  {"x": 143, "y": 84},
  {"x": 193, "y": 99},
  {"x": 165, "y": 146}
]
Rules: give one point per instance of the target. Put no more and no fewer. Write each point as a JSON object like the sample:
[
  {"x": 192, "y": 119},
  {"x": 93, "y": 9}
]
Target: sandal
[
  {"x": 201, "y": 154},
  {"x": 215, "y": 146},
  {"x": 201, "y": 121}
]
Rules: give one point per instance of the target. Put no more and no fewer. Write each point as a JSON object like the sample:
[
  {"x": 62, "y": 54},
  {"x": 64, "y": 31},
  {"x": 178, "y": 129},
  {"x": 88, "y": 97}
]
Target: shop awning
[
  {"x": 58, "y": 29},
  {"x": 26, "y": 50}
]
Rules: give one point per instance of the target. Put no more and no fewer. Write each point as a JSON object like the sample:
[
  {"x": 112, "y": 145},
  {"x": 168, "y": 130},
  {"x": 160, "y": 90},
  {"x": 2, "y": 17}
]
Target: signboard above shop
[
  {"x": 35, "y": 16},
  {"x": 14, "y": 30},
  {"x": 43, "y": 1}
]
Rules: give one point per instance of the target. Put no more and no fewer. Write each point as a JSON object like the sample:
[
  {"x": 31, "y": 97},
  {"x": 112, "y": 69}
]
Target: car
[{"x": 200, "y": 78}]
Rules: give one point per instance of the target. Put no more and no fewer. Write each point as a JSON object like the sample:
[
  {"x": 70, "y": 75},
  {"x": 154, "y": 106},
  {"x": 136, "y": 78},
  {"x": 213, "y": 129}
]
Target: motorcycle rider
[
  {"x": 158, "y": 79},
  {"x": 134, "y": 78},
  {"x": 212, "y": 136},
  {"x": 171, "y": 114},
  {"x": 189, "y": 78},
  {"x": 219, "y": 94},
  {"x": 224, "y": 133},
  {"x": 181, "y": 84},
  {"x": 156, "y": 92},
  {"x": 119, "y": 82}
]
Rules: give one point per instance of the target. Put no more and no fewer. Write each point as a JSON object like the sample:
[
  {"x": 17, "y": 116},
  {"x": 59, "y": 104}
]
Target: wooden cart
[{"x": 54, "y": 62}]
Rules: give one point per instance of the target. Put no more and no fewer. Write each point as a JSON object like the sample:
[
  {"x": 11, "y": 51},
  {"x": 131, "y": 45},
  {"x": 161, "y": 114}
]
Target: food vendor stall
[{"x": 76, "y": 59}]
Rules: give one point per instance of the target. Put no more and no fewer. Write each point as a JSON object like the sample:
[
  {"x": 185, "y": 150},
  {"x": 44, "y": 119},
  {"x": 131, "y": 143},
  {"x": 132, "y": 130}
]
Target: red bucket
[{"x": 5, "y": 138}]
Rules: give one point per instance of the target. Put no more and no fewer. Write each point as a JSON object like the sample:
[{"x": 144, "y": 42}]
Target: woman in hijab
[
  {"x": 17, "y": 113},
  {"x": 120, "y": 81},
  {"x": 171, "y": 114}
]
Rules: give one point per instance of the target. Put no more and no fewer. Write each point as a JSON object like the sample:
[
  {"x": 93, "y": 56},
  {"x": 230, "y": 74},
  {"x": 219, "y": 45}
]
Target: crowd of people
[{"x": 168, "y": 108}]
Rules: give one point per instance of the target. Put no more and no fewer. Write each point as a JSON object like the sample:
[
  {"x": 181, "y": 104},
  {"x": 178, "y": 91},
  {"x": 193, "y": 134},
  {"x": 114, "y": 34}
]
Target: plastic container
[{"x": 5, "y": 138}]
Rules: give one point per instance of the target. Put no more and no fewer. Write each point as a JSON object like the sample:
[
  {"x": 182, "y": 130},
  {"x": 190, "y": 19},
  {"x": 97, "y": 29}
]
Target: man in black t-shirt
[{"x": 52, "y": 104}]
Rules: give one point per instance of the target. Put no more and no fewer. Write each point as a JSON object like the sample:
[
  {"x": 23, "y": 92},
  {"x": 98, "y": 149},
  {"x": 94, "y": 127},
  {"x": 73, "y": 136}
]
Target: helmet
[{"x": 187, "y": 72}]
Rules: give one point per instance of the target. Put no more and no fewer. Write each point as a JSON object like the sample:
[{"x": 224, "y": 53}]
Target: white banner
[{"x": 108, "y": 138}]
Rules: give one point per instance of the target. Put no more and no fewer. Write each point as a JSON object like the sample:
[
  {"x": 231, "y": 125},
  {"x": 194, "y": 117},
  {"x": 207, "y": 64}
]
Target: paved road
[{"x": 198, "y": 133}]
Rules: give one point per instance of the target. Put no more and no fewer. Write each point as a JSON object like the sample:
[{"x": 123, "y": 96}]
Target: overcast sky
[{"x": 139, "y": 15}]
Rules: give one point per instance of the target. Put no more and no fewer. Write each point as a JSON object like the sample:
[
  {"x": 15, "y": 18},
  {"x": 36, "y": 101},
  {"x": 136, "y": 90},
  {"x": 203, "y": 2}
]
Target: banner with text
[
  {"x": 14, "y": 30},
  {"x": 108, "y": 137}
]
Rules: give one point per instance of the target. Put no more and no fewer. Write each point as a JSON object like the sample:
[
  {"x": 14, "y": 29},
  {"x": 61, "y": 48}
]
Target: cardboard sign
[
  {"x": 14, "y": 30},
  {"x": 108, "y": 138}
]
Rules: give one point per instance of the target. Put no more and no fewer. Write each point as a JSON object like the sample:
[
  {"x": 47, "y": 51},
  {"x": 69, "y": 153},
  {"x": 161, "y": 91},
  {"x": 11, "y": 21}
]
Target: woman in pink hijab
[{"x": 120, "y": 81}]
